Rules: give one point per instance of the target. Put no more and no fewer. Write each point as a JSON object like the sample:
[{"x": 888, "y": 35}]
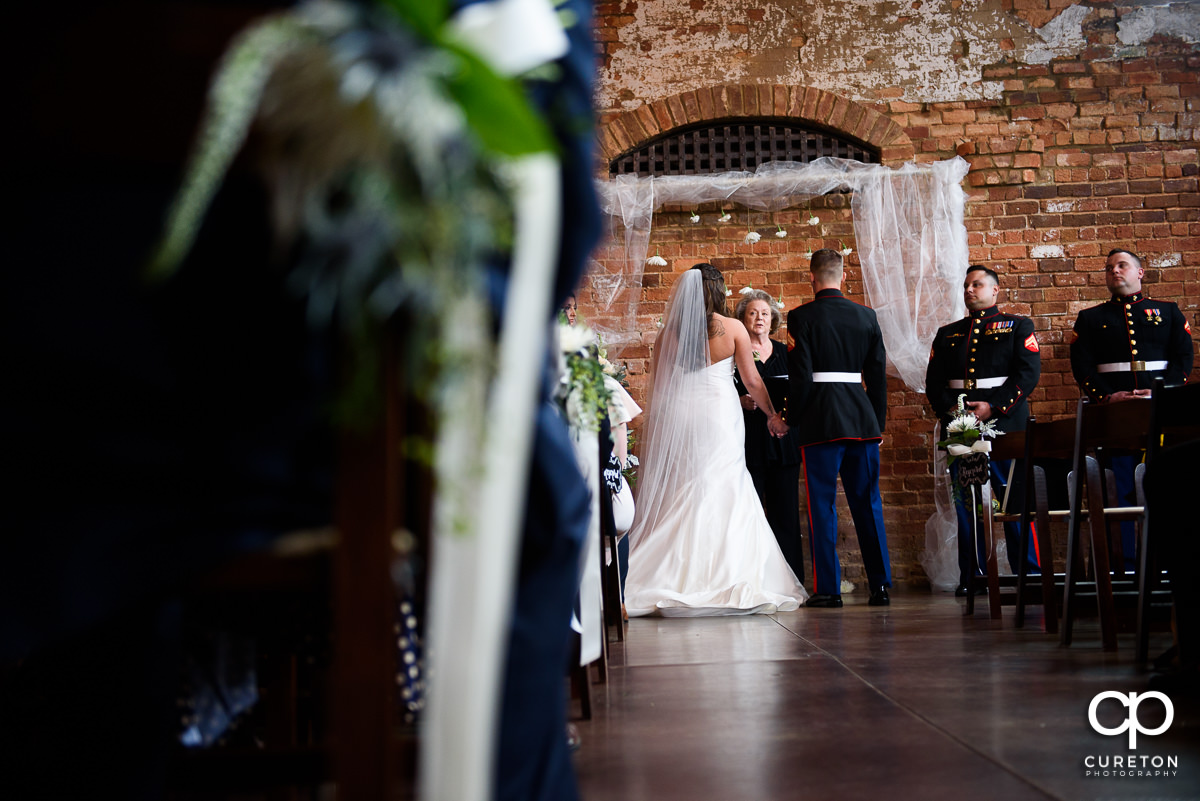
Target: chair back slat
[{"x": 1173, "y": 421}]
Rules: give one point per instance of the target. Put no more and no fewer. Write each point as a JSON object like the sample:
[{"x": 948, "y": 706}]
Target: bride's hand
[
  {"x": 776, "y": 425},
  {"x": 748, "y": 403}
]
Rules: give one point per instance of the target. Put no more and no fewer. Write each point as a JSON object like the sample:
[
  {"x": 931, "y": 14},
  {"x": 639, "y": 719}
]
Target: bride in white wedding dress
[{"x": 700, "y": 543}]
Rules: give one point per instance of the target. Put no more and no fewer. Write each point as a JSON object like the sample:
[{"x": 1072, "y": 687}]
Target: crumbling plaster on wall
[
  {"x": 909, "y": 50},
  {"x": 1175, "y": 20}
]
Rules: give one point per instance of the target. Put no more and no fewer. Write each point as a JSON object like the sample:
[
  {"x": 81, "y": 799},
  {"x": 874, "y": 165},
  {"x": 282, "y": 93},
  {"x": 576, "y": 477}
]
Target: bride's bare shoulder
[{"x": 726, "y": 325}]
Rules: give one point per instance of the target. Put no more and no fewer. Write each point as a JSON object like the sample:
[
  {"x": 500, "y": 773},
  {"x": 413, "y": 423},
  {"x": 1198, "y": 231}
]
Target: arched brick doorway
[{"x": 803, "y": 105}]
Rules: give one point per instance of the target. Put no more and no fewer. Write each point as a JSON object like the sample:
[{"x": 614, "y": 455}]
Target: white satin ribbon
[{"x": 980, "y": 446}]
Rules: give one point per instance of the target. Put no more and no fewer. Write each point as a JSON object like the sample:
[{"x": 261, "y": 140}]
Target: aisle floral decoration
[
  {"x": 966, "y": 435},
  {"x": 378, "y": 138},
  {"x": 581, "y": 392}
]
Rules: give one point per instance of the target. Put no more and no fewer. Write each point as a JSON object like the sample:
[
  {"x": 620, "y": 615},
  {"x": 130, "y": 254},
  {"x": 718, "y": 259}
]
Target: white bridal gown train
[{"x": 705, "y": 547}]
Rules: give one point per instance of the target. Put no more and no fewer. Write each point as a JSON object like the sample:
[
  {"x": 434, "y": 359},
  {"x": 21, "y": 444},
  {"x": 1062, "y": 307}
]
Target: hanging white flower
[
  {"x": 752, "y": 237},
  {"x": 695, "y": 218},
  {"x": 781, "y": 233},
  {"x": 814, "y": 220},
  {"x": 808, "y": 253},
  {"x": 656, "y": 261},
  {"x": 728, "y": 292},
  {"x": 845, "y": 251},
  {"x": 725, "y": 216},
  {"x": 746, "y": 290}
]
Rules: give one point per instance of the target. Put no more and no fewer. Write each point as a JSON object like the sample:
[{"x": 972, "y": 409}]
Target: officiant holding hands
[{"x": 773, "y": 462}]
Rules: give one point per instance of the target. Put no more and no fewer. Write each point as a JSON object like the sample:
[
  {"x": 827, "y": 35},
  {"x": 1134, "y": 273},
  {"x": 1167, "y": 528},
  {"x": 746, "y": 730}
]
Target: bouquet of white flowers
[{"x": 966, "y": 434}]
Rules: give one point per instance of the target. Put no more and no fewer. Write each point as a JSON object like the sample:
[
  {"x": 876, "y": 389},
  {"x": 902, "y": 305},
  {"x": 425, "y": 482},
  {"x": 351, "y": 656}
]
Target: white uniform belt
[
  {"x": 1135, "y": 367},
  {"x": 837, "y": 378},
  {"x": 979, "y": 383}
]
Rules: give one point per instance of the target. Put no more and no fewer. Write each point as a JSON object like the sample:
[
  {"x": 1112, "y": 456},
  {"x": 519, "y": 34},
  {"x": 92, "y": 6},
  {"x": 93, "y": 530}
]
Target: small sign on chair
[{"x": 973, "y": 469}]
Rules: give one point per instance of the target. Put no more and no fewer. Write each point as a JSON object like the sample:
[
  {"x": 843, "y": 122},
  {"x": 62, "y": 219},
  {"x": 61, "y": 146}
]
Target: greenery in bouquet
[
  {"x": 631, "y": 460},
  {"x": 582, "y": 392},
  {"x": 967, "y": 434},
  {"x": 616, "y": 371}
]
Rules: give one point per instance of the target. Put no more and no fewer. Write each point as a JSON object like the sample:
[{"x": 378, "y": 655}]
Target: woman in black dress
[{"x": 774, "y": 463}]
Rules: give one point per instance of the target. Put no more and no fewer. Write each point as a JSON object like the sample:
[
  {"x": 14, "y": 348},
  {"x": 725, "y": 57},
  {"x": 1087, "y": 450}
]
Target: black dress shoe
[
  {"x": 824, "y": 602},
  {"x": 879, "y": 598},
  {"x": 960, "y": 591}
]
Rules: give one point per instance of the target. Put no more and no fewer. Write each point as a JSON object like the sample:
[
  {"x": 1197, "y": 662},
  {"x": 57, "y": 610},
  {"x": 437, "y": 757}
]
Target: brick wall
[{"x": 1069, "y": 159}]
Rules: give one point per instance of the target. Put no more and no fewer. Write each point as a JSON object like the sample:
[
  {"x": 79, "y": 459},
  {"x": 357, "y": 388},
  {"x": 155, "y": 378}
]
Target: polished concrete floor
[{"x": 911, "y": 701}]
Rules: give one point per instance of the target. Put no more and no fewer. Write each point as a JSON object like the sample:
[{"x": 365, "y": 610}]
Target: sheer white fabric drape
[
  {"x": 908, "y": 226},
  {"x": 677, "y": 433}
]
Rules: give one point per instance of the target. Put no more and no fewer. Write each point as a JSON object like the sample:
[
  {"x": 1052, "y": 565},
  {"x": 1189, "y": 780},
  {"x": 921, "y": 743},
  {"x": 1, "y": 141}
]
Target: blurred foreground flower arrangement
[{"x": 378, "y": 138}]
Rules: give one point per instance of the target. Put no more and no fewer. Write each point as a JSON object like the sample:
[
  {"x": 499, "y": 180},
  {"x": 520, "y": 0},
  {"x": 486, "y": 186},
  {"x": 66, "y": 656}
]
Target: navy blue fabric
[
  {"x": 834, "y": 334},
  {"x": 1103, "y": 334},
  {"x": 533, "y": 761},
  {"x": 858, "y": 465},
  {"x": 985, "y": 344},
  {"x": 1012, "y": 538}
]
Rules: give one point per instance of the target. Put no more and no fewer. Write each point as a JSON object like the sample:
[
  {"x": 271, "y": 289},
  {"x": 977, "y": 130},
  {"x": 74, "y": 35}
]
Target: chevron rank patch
[{"x": 1031, "y": 343}]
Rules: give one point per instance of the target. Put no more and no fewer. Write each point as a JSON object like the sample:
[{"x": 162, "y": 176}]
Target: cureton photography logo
[{"x": 1128, "y": 763}]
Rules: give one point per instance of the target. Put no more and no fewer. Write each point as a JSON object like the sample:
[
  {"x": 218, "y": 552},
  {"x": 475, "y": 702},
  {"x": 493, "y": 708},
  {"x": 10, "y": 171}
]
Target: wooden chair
[
  {"x": 335, "y": 589},
  {"x": 1173, "y": 420},
  {"x": 1099, "y": 429},
  {"x": 1045, "y": 443},
  {"x": 1009, "y": 446},
  {"x": 1037, "y": 447}
]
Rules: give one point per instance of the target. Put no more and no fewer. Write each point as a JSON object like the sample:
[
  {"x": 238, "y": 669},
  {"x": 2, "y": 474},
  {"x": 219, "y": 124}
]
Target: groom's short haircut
[
  {"x": 979, "y": 268},
  {"x": 827, "y": 265}
]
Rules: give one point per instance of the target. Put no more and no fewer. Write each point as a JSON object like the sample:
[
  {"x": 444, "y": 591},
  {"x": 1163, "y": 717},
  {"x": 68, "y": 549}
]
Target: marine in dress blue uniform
[
  {"x": 1121, "y": 346},
  {"x": 994, "y": 359},
  {"x": 838, "y": 407}
]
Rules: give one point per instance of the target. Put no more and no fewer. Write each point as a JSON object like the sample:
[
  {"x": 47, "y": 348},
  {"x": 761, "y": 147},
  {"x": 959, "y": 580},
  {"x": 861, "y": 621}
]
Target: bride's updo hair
[{"x": 714, "y": 291}]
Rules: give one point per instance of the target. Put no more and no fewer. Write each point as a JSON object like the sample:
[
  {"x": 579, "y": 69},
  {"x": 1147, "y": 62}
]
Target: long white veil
[{"x": 676, "y": 433}]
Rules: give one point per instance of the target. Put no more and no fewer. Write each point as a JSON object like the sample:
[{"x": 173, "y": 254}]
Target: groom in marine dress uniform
[{"x": 838, "y": 405}]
